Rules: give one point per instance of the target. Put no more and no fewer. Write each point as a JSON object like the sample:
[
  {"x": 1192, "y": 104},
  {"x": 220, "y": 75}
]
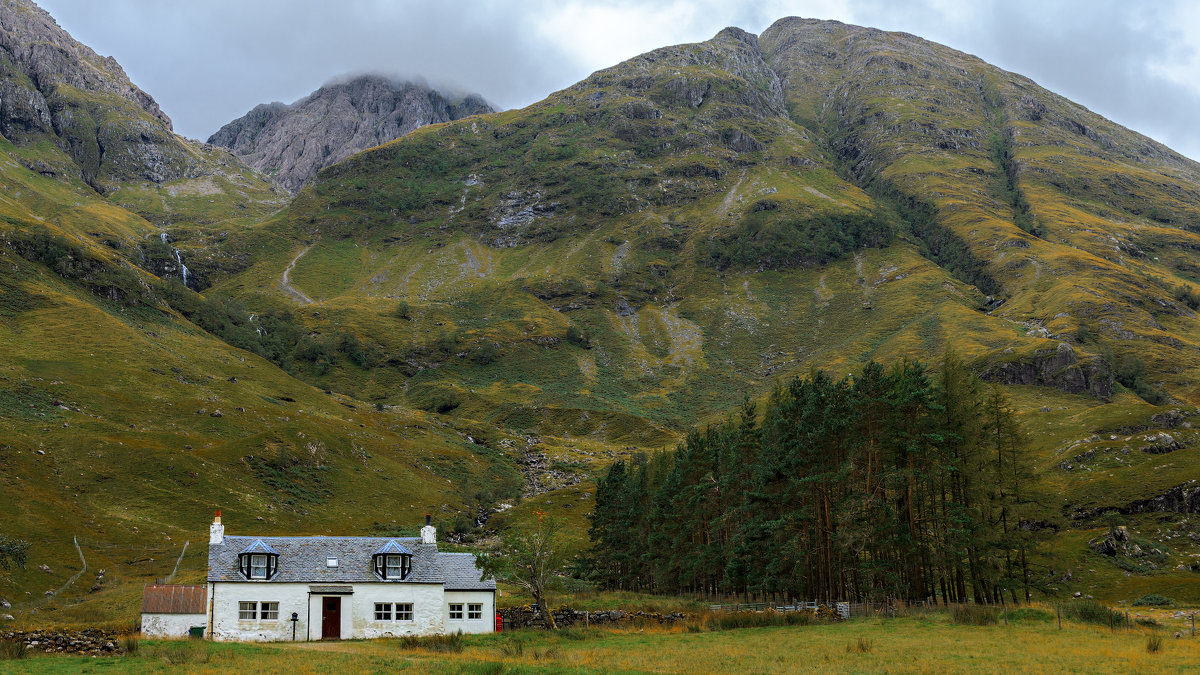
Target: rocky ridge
[
  {"x": 52, "y": 87},
  {"x": 293, "y": 142}
]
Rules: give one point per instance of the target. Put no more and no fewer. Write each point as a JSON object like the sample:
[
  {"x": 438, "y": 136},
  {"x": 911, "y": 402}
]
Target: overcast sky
[{"x": 209, "y": 61}]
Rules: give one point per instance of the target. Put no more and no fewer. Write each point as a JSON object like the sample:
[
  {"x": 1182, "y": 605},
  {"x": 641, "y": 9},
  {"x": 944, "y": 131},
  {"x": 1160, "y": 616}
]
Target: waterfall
[
  {"x": 163, "y": 237},
  {"x": 182, "y": 268}
]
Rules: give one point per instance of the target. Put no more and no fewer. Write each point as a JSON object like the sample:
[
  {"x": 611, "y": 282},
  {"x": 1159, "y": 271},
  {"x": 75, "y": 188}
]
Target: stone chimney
[
  {"x": 429, "y": 532},
  {"x": 216, "y": 532}
]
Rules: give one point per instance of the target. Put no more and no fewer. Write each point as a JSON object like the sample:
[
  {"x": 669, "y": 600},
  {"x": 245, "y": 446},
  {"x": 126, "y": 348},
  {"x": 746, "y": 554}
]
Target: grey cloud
[{"x": 1098, "y": 53}]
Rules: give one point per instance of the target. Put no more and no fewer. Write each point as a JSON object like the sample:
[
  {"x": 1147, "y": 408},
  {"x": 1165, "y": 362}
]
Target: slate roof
[
  {"x": 394, "y": 548},
  {"x": 173, "y": 599},
  {"x": 461, "y": 574},
  {"x": 259, "y": 546},
  {"x": 302, "y": 560}
]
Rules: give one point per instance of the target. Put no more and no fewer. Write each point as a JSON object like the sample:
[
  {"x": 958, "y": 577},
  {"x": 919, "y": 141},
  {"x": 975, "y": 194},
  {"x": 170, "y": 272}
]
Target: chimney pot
[
  {"x": 216, "y": 531},
  {"x": 429, "y": 532}
]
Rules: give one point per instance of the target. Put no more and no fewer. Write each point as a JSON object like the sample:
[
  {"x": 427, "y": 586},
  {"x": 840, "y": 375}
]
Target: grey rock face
[
  {"x": 1058, "y": 368},
  {"x": 293, "y": 142},
  {"x": 54, "y": 87}
]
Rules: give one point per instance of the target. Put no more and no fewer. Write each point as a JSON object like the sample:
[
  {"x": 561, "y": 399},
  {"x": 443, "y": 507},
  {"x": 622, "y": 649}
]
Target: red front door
[{"x": 331, "y": 618}]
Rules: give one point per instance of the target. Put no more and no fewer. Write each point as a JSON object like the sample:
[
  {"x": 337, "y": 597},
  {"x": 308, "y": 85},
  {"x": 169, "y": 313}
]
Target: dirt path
[
  {"x": 727, "y": 203},
  {"x": 285, "y": 282}
]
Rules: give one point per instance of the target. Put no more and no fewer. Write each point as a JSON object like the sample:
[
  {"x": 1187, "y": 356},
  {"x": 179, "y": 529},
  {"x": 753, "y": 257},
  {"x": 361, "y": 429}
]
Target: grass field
[{"x": 917, "y": 643}]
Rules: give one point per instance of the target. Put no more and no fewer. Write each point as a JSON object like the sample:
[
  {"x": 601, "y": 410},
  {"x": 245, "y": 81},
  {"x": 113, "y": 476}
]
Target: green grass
[{"x": 866, "y": 645}]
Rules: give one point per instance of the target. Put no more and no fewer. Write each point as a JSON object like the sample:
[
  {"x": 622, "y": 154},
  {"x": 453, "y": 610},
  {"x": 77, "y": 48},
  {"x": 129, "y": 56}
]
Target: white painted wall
[
  {"x": 224, "y": 599},
  {"x": 426, "y": 600},
  {"x": 170, "y": 625},
  {"x": 485, "y": 624},
  {"x": 357, "y": 611}
]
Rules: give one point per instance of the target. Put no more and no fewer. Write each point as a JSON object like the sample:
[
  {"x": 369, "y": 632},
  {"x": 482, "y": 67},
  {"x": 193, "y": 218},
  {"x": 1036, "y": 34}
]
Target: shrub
[
  {"x": 11, "y": 650},
  {"x": 974, "y": 615},
  {"x": 1091, "y": 611},
  {"x": 766, "y": 240},
  {"x": 403, "y": 311},
  {"x": 576, "y": 337},
  {"x": 735, "y": 620},
  {"x": 513, "y": 647},
  {"x": 862, "y": 645},
  {"x": 517, "y": 647},
  {"x": 1153, "y": 600},
  {"x": 1153, "y": 644},
  {"x": 129, "y": 644},
  {"x": 450, "y": 642},
  {"x": 1030, "y": 614}
]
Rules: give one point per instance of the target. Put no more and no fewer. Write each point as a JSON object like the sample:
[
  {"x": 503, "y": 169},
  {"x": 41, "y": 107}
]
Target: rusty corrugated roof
[{"x": 174, "y": 599}]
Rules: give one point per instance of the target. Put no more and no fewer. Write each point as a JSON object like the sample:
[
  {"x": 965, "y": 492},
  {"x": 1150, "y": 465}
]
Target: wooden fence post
[{"x": 1058, "y": 613}]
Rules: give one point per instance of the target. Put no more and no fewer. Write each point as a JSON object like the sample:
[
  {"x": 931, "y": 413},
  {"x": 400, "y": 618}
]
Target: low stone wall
[
  {"x": 89, "y": 641},
  {"x": 526, "y": 617}
]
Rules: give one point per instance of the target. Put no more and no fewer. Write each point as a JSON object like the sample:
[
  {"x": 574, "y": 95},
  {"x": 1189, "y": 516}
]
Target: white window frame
[
  {"x": 474, "y": 610},
  {"x": 244, "y": 607},
  {"x": 456, "y": 608},
  {"x": 404, "y": 611},
  {"x": 255, "y": 567},
  {"x": 254, "y": 610},
  {"x": 383, "y": 611},
  {"x": 389, "y": 568}
]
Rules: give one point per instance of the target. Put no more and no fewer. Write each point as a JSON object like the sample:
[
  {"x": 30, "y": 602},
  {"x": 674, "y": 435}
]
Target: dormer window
[
  {"x": 396, "y": 567},
  {"x": 392, "y": 561},
  {"x": 258, "y": 561},
  {"x": 258, "y": 567}
]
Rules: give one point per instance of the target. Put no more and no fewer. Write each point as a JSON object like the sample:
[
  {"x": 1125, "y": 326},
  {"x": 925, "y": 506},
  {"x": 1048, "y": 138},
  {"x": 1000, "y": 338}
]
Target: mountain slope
[
  {"x": 123, "y": 421},
  {"x": 637, "y": 252},
  {"x": 292, "y": 142}
]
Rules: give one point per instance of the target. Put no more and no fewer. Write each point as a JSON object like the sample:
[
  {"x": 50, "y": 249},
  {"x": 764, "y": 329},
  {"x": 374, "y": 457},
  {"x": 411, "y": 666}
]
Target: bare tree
[{"x": 528, "y": 558}]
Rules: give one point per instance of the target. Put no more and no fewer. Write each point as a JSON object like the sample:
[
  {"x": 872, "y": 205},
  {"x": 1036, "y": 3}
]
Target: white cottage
[{"x": 313, "y": 588}]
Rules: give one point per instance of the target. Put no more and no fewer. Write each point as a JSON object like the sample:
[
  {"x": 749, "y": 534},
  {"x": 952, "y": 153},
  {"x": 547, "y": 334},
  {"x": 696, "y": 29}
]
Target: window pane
[
  {"x": 456, "y": 610},
  {"x": 474, "y": 611},
  {"x": 383, "y": 611},
  {"x": 246, "y": 611},
  {"x": 404, "y": 611},
  {"x": 394, "y": 567},
  {"x": 269, "y": 610},
  {"x": 258, "y": 567}
]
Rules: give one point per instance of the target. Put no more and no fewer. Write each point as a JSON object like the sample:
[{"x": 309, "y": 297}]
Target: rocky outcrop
[
  {"x": 1058, "y": 368},
  {"x": 52, "y": 87},
  {"x": 293, "y": 142}
]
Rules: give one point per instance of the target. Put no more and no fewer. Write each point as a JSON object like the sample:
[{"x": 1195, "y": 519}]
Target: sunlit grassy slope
[
  {"x": 590, "y": 277},
  {"x": 639, "y": 252},
  {"x": 124, "y": 426}
]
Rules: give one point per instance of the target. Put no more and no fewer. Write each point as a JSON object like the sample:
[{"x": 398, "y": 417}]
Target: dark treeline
[{"x": 899, "y": 483}]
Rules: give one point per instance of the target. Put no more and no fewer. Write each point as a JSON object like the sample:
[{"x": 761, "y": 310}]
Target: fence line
[{"x": 845, "y": 609}]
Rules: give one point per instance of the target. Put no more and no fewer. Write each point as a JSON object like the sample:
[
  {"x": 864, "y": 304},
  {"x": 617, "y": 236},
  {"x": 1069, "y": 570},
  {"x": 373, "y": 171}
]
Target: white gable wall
[
  {"x": 485, "y": 624},
  {"x": 170, "y": 625}
]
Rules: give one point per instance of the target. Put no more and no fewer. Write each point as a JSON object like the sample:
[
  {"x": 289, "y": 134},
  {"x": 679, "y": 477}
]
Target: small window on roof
[{"x": 331, "y": 562}]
